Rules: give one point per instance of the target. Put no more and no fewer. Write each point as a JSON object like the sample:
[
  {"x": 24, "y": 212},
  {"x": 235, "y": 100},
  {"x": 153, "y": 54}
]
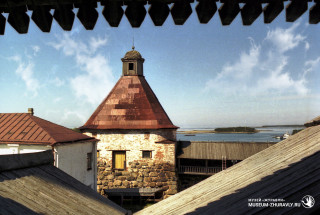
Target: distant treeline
[
  {"x": 236, "y": 129},
  {"x": 296, "y": 131},
  {"x": 266, "y": 126},
  {"x": 76, "y": 130}
]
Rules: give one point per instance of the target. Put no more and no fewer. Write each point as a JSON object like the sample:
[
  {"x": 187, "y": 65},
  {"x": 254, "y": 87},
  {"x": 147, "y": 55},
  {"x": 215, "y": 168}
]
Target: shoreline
[{"x": 213, "y": 131}]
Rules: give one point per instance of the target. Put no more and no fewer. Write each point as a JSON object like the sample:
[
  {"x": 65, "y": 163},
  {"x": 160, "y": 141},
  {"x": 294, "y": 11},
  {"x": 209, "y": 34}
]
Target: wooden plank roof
[
  {"x": 217, "y": 150},
  {"x": 24, "y": 128},
  {"x": 131, "y": 104},
  {"x": 135, "y": 11},
  {"x": 288, "y": 170},
  {"x": 45, "y": 189}
]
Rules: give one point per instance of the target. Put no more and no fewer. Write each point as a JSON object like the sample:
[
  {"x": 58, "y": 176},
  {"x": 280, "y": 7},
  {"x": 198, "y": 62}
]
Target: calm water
[{"x": 266, "y": 134}]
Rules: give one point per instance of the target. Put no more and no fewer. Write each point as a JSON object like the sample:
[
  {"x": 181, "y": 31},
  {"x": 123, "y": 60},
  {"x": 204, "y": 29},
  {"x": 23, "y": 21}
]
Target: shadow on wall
[
  {"x": 147, "y": 132},
  {"x": 181, "y": 145}
]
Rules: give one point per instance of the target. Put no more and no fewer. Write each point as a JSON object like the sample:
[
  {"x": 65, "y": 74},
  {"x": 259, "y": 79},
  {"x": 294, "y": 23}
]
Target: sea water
[{"x": 265, "y": 134}]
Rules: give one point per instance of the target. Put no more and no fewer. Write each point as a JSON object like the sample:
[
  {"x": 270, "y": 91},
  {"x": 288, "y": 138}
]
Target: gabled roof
[
  {"x": 131, "y": 104},
  {"x": 288, "y": 170},
  {"x": 24, "y": 128},
  {"x": 37, "y": 187}
]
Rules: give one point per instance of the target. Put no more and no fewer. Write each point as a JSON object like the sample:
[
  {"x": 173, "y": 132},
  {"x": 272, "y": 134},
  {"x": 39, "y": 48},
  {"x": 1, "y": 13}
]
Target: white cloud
[
  {"x": 285, "y": 39},
  {"x": 95, "y": 80},
  {"x": 65, "y": 117},
  {"x": 307, "y": 46},
  {"x": 263, "y": 69},
  {"x": 57, "y": 82},
  {"x": 35, "y": 49},
  {"x": 56, "y": 100},
  {"x": 25, "y": 71},
  {"x": 96, "y": 42},
  {"x": 237, "y": 73},
  {"x": 312, "y": 64}
]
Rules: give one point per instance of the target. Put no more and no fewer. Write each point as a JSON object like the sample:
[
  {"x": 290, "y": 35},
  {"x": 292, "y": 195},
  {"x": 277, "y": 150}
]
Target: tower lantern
[{"x": 132, "y": 63}]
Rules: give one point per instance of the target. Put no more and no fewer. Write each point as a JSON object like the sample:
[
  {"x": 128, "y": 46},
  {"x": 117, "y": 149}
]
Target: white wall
[{"x": 72, "y": 159}]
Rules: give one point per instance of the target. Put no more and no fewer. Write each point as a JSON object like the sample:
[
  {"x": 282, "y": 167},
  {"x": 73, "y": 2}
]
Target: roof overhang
[{"x": 158, "y": 10}]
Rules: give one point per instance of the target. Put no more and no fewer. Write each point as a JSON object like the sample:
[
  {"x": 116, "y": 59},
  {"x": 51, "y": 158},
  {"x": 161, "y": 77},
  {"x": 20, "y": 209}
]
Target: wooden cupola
[{"x": 132, "y": 63}]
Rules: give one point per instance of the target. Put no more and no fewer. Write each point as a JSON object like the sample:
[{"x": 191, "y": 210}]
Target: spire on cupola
[{"x": 132, "y": 63}]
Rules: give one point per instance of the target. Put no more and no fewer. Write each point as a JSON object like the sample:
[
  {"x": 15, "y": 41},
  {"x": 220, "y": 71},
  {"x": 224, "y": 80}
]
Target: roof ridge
[
  {"x": 25, "y": 160},
  {"x": 32, "y": 117}
]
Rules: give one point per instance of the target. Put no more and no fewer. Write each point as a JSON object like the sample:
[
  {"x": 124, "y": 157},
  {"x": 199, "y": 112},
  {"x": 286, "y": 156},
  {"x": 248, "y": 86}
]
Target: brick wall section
[{"x": 156, "y": 172}]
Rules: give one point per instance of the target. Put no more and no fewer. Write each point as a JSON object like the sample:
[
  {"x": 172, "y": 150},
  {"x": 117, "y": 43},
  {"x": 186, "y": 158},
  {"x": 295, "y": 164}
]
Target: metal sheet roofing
[
  {"x": 45, "y": 189},
  {"x": 288, "y": 170},
  {"x": 24, "y": 128},
  {"x": 217, "y": 150},
  {"x": 131, "y": 104}
]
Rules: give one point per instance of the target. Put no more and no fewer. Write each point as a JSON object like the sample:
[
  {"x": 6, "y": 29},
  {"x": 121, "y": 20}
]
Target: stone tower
[{"x": 137, "y": 144}]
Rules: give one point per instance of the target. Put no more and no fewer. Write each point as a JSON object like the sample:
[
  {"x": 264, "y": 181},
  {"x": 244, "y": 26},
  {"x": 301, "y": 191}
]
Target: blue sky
[{"x": 203, "y": 75}]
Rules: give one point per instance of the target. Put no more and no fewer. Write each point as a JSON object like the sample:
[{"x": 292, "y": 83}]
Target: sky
[{"x": 204, "y": 75}]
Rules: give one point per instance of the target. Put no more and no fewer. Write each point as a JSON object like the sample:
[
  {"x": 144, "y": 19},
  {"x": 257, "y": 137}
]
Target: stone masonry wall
[
  {"x": 155, "y": 172},
  {"x": 134, "y": 142},
  {"x": 139, "y": 174}
]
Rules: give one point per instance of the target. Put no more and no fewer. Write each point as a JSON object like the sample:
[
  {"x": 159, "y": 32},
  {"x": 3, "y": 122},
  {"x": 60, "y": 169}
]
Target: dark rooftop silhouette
[{"x": 135, "y": 11}]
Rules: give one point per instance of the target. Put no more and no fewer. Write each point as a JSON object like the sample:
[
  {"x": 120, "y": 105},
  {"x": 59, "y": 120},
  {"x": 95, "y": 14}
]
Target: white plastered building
[{"x": 74, "y": 153}]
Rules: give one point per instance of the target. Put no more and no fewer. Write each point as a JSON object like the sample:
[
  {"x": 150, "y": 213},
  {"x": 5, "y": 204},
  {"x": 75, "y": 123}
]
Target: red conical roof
[{"x": 131, "y": 104}]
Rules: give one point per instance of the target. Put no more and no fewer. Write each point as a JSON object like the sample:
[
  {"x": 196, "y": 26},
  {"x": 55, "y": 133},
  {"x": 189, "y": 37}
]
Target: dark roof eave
[
  {"x": 166, "y": 141},
  {"x": 46, "y": 143},
  {"x": 22, "y": 142},
  {"x": 121, "y": 128},
  {"x": 75, "y": 141}
]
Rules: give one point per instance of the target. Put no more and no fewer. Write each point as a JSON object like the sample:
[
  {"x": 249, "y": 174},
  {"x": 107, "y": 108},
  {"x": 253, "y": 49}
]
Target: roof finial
[{"x": 133, "y": 43}]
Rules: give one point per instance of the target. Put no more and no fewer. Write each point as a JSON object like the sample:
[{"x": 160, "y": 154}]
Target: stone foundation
[{"x": 139, "y": 174}]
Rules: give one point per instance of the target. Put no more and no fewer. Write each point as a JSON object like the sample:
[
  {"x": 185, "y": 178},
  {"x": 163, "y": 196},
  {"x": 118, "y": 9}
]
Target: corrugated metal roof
[
  {"x": 131, "y": 104},
  {"x": 45, "y": 189},
  {"x": 24, "y": 128},
  {"x": 215, "y": 150},
  {"x": 288, "y": 170}
]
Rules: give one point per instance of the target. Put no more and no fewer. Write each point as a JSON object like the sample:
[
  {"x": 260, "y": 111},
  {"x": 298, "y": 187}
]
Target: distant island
[
  {"x": 236, "y": 130},
  {"x": 266, "y": 126},
  {"x": 247, "y": 130}
]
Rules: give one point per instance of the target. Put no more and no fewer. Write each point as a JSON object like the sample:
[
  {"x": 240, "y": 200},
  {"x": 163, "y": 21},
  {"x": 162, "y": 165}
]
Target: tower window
[
  {"x": 119, "y": 159},
  {"x": 146, "y": 154},
  {"x": 89, "y": 161},
  {"x": 98, "y": 153},
  {"x": 130, "y": 66}
]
